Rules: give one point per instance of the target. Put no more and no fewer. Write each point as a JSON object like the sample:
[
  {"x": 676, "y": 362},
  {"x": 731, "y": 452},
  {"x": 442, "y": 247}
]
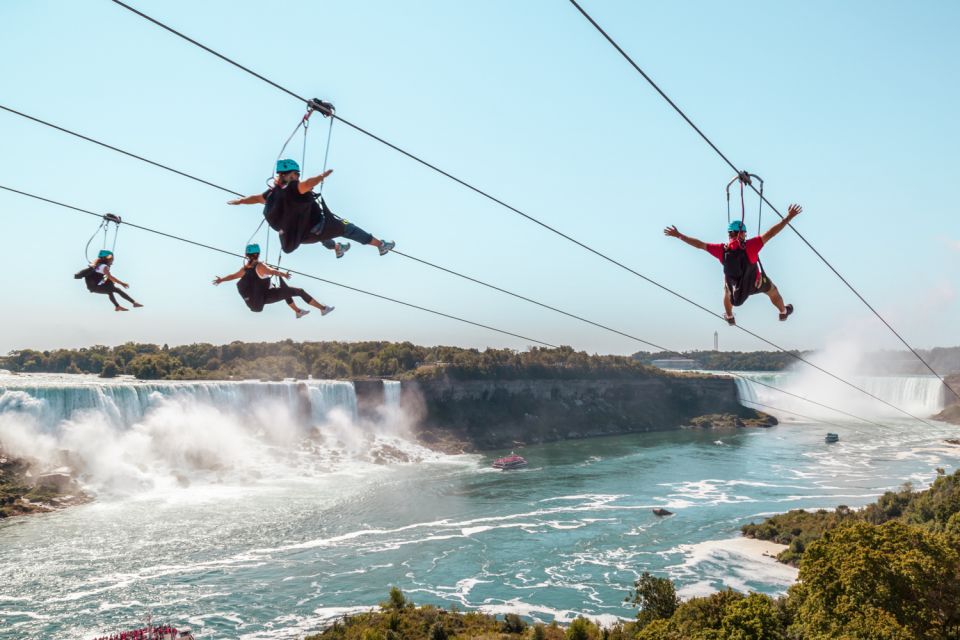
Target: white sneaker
[
  {"x": 326, "y": 310},
  {"x": 386, "y": 247},
  {"x": 301, "y": 313},
  {"x": 342, "y": 249}
]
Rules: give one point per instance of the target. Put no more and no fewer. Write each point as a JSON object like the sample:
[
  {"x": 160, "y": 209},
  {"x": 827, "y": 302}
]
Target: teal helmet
[
  {"x": 736, "y": 227},
  {"x": 253, "y": 249},
  {"x": 287, "y": 165},
  {"x": 105, "y": 253}
]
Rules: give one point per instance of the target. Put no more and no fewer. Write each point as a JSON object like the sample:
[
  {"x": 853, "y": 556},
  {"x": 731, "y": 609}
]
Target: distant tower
[{"x": 716, "y": 341}]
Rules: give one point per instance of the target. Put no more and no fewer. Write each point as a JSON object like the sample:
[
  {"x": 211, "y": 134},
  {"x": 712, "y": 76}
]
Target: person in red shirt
[{"x": 742, "y": 275}]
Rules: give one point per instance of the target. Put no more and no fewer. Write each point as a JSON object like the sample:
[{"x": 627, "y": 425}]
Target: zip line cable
[
  {"x": 662, "y": 348},
  {"x": 598, "y": 253},
  {"x": 683, "y": 115},
  {"x": 299, "y": 273},
  {"x": 512, "y": 208}
]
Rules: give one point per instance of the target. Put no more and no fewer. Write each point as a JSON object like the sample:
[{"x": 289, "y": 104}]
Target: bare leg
[
  {"x": 314, "y": 303},
  {"x": 293, "y": 305},
  {"x": 776, "y": 299},
  {"x": 727, "y": 303},
  {"x": 116, "y": 305}
]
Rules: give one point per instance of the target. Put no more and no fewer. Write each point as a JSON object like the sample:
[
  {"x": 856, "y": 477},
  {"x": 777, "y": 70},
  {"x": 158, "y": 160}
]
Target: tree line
[
  {"x": 324, "y": 360},
  {"x": 944, "y": 360}
]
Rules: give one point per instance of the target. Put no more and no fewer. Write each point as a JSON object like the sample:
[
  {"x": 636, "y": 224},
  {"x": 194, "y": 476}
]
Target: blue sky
[{"x": 849, "y": 109}]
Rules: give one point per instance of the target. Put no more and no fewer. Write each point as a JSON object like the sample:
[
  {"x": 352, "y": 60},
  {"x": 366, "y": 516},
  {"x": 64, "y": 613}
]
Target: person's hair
[
  {"x": 102, "y": 260},
  {"x": 252, "y": 257}
]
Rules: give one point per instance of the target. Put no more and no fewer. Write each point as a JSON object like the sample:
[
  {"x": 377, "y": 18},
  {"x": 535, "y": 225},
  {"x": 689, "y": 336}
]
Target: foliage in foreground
[
  {"x": 935, "y": 509},
  {"x": 328, "y": 360}
]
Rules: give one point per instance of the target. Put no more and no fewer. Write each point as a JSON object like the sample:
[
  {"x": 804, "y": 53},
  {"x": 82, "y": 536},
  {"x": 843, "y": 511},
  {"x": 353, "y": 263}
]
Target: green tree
[
  {"x": 397, "y": 599},
  {"x": 581, "y": 629},
  {"x": 888, "y": 581},
  {"x": 656, "y": 597},
  {"x": 109, "y": 370},
  {"x": 753, "y": 618}
]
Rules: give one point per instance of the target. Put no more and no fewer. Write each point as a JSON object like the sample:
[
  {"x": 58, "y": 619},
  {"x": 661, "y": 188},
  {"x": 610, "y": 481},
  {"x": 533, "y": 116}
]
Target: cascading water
[
  {"x": 391, "y": 394},
  {"x": 53, "y": 399},
  {"x": 920, "y": 395},
  {"x": 129, "y": 436}
]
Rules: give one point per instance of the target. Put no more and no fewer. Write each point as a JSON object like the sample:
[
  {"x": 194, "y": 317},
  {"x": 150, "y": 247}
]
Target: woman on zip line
[
  {"x": 292, "y": 209},
  {"x": 254, "y": 286},
  {"x": 98, "y": 279}
]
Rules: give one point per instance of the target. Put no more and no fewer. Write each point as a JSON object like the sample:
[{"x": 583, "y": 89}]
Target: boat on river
[
  {"x": 150, "y": 632},
  {"x": 512, "y": 461},
  {"x": 831, "y": 437}
]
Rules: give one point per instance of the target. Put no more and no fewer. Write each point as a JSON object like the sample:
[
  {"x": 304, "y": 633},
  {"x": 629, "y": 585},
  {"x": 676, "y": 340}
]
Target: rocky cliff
[
  {"x": 487, "y": 414},
  {"x": 951, "y": 412}
]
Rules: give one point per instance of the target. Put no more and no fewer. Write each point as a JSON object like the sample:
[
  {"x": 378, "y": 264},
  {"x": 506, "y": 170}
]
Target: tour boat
[
  {"x": 150, "y": 632},
  {"x": 512, "y": 461},
  {"x": 831, "y": 437}
]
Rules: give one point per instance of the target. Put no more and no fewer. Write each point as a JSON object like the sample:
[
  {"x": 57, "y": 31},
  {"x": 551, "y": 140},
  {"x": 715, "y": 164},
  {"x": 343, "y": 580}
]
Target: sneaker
[
  {"x": 386, "y": 247},
  {"x": 789, "y": 310},
  {"x": 326, "y": 310},
  {"x": 342, "y": 249},
  {"x": 301, "y": 313},
  {"x": 730, "y": 320},
  {"x": 119, "y": 308},
  {"x": 137, "y": 305}
]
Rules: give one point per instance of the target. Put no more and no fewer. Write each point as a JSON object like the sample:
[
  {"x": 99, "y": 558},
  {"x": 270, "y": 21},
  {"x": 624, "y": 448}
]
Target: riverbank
[{"x": 936, "y": 508}]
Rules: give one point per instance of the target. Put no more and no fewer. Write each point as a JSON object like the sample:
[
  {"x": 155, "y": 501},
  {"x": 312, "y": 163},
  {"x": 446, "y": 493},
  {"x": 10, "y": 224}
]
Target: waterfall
[
  {"x": 922, "y": 396},
  {"x": 52, "y": 400},
  {"x": 391, "y": 394},
  {"x": 124, "y": 435}
]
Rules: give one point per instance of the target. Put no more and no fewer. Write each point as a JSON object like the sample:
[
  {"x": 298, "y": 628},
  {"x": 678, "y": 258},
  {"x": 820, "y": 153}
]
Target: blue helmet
[
  {"x": 736, "y": 226},
  {"x": 252, "y": 249},
  {"x": 105, "y": 253},
  {"x": 287, "y": 165}
]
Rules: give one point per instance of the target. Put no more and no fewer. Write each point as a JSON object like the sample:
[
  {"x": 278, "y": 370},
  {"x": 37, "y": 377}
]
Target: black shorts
[{"x": 765, "y": 285}]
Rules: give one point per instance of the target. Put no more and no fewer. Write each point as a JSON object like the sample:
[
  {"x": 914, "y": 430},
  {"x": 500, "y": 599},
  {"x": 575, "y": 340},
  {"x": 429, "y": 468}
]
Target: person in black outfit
[
  {"x": 301, "y": 216},
  {"x": 254, "y": 286},
  {"x": 98, "y": 279}
]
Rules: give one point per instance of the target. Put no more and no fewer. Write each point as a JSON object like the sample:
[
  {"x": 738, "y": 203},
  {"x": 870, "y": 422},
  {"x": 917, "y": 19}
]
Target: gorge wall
[{"x": 488, "y": 414}]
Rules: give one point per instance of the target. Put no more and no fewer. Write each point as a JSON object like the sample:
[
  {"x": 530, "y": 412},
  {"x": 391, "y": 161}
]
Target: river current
[{"x": 216, "y": 509}]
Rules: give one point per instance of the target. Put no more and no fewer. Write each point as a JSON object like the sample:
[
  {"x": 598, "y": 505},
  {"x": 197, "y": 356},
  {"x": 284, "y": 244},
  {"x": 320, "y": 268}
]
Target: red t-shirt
[{"x": 752, "y": 246}]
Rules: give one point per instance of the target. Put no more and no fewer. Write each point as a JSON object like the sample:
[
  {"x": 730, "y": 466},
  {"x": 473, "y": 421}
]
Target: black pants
[
  {"x": 109, "y": 288},
  {"x": 284, "y": 292}
]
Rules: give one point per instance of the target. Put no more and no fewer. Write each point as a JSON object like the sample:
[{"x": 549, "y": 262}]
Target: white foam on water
[{"x": 734, "y": 562}]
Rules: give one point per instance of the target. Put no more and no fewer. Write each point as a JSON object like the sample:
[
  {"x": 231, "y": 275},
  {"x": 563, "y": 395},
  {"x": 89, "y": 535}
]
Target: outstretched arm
[
  {"x": 232, "y": 276},
  {"x": 109, "y": 276},
  {"x": 792, "y": 212},
  {"x": 305, "y": 186},
  {"x": 693, "y": 242},
  {"x": 264, "y": 270},
  {"x": 254, "y": 199}
]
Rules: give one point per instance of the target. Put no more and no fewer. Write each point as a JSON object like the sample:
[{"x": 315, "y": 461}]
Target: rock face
[
  {"x": 488, "y": 414},
  {"x": 731, "y": 421},
  {"x": 22, "y": 491},
  {"x": 951, "y": 412}
]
